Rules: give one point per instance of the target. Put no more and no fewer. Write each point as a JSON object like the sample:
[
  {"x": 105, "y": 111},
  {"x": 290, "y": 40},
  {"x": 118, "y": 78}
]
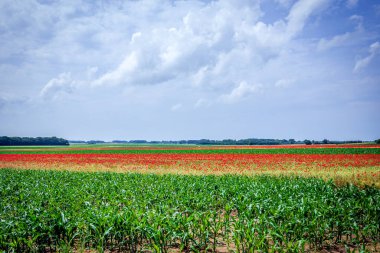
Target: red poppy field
[{"x": 357, "y": 164}]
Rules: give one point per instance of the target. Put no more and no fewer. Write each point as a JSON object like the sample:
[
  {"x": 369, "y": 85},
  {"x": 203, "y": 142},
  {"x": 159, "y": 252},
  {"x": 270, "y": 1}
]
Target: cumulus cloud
[
  {"x": 120, "y": 74},
  {"x": 210, "y": 45},
  {"x": 275, "y": 36},
  {"x": 196, "y": 41},
  {"x": 204, "y": 45},
  {"x": 374, "y": 49},
  {"x": 58, "y": 86},
  {"x": 241, "y": 91}
]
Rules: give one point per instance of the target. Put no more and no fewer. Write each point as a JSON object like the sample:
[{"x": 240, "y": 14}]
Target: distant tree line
[
  {"x": 215, "y": 142},
  {"x": 30, "y": 141},
  {"x": 251, "y": 141},
  {"x": 325, "y": 141}
]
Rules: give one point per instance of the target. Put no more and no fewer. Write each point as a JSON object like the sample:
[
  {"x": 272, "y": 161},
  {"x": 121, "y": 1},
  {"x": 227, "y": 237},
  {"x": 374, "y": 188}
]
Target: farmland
[
  {"x": 190, "y": 198},
  {"x": 357, "y": 164}
]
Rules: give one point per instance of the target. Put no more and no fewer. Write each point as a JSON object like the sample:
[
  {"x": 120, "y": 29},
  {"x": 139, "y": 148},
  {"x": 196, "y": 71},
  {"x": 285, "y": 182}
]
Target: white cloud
[
  {"x": 58, "y": 86},
  {"x": 241, "y": 91},
  {"x": 211, "y": 45},
  {"x": 358, "y": 20},
  {"x": 277, "y": 35},
  {"x": 374, "y": 49},
  {"x": 202, "y": 46},
  {"x": 345, "y": 38},
  {"x": 120, "y": 74},
  {"x": 336, "y": 41},
  {"x": 300, "y": 12}
]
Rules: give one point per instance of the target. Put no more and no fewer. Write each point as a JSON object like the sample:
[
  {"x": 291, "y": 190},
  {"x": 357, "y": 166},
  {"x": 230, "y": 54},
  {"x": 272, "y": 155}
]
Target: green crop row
[
  {"x": 204, "y": 151},
  {"x": 61, "y": 211}
]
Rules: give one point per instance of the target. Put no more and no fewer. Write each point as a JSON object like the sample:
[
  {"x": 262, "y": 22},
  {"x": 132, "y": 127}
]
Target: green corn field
[
  {"x": 135, "y": 150},
  {"x": 57, "y": 211}
]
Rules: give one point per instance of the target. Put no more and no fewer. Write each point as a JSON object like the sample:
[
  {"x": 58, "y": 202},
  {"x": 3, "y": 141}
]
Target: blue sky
[{"x": 169, "y": 70}]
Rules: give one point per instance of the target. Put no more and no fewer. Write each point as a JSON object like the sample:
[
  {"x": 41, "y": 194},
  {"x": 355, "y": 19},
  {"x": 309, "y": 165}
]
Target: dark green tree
[{"x": 307, "y": 142}]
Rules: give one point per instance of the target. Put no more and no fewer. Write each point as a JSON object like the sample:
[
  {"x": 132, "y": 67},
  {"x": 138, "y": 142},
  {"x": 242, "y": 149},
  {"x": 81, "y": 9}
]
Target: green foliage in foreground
[
  {"x": 203, "y": 151},
  {"x": 47, "y": 210}
]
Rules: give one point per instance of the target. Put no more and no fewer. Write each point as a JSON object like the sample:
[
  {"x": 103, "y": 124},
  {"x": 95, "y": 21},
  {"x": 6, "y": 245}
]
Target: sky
[{"x": 171, "y": 70}]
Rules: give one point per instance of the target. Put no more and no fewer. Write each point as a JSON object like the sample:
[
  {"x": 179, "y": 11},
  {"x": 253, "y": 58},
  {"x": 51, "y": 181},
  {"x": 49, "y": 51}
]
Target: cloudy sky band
[{"x": 190, "y": 69}]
